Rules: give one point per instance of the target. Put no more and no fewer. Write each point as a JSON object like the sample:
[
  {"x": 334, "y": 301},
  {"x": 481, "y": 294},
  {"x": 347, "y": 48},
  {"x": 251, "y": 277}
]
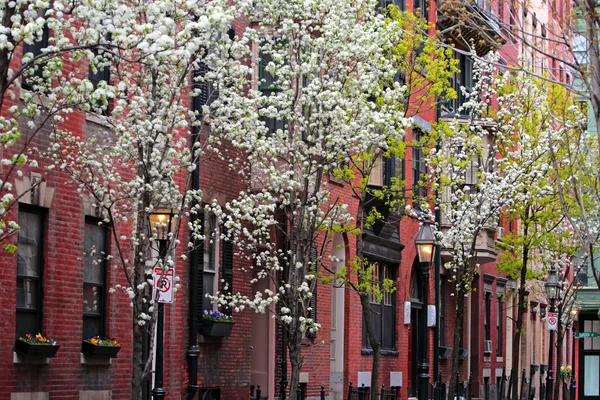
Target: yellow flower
[
  {"x": 94, "y": 341},
  {"x": 40, "y": 338}
]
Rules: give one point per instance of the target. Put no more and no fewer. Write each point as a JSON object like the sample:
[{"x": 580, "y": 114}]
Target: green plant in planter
[
  {"x": 37, "y": 339},
  {"x": 216, "y": 324},
  {"x": 37, "y": 345},
  {"x": 96, "y": 346},
  {"x": 217, "y": 316}
]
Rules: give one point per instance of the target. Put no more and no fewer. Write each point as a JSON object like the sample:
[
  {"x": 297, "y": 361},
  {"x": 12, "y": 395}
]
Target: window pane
[
  {"x": 94, "y": 253},
  {"x": 30, "y": 238},
  {"x": 29, "y": 264},
  {"x": 91, "y": 327},
  {"x": 92, "y": 299},
  {"x": 208, "y": 286},
  {"x": 210, "y": 243},
  {"x": 591, "y": 367},
  {"x": 27, "y": 322},
  {"x": 27, "y": 293}
]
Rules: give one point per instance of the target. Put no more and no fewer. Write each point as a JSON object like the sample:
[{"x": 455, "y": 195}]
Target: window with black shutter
[
  {"x": 30, "y": 261},
  {"x": 29, "y": 79},
  {"x": 94, "y": 279},
  {"x": 383, "y": 312},
  {"x": 96, "y": 74},
  {"x": 267, "y": 85},
  {"x": 419, "y": 168},
  {"x": 210, "y": 260}
]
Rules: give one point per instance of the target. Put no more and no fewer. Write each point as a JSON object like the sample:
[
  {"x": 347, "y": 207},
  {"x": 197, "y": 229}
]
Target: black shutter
[
  {"x": 227, "y": 265},
  {"x": 199, "y": 245},
  {"x": 202, "y": 98},
  {"x": 312, "y": 314},
  {"x": 313, "y": 299}
]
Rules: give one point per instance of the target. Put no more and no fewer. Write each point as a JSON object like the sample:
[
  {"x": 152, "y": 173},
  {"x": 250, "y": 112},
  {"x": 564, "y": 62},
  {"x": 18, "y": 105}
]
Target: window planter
[
  {"x": 31, "y": 349},
  {"x": 216, "y": 328},
  {"x": 99, "y": 351}
]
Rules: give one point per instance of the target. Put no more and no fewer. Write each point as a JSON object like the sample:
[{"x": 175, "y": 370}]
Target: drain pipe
[{"x": 193, "y": 351}]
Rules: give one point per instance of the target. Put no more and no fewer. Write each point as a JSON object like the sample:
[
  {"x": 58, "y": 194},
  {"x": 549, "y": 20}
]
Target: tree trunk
[
  {"x": 373, "y": 342},
  {"x": 295, "y": 352},
  {"x": 138, "y": 363},
  {"x": 520, "y": 315},
  {"x": 140, "y": 302},
  {"x": 458, "y": 330}
]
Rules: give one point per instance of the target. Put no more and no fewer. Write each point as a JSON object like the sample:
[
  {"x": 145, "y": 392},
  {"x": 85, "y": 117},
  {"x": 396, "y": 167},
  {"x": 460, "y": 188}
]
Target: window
[
  {"x": 399, "y": 3},
  {"x": 419, "y": 168},
  {"x": 420, "y": 7},
  {"x": 487, "y": 316},
  {"x": 94, "y": 279},
  {"x": 210, "y": 278},
  {"x": 499, "y": 326},
  {"x": 30, "y": 261},
  {"x": 501, "y": 10},
  {"x": 101, "y": 74},
  {"x": 36, "y": 49},
  {"x": 385, "y": 171},
  {"x": 383, "y": 313},
  {"x": 267, "y": 85}
]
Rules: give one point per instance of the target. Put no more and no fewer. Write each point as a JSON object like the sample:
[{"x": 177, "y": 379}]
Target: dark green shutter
[
  {"x": 227, "y": 265},
  {"x": 199, "y": 246}
]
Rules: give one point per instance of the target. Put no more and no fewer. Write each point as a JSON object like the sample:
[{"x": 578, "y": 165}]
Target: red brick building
[{"x": 56, "y": 225}]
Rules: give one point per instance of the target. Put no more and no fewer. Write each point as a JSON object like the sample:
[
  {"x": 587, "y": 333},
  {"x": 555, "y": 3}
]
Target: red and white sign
[
  {"x": 165, "y": 285},
  {"x": 552, "y": 321}
]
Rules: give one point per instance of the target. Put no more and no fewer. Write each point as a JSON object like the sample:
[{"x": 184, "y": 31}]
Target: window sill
[
  {"x": 94, "y": 118},
  {"x": 384, "y": 352},
  {"x": 20, "y": 359},
  {"x": 86, "y": 359},
  {"x": 499, "y": 359}
]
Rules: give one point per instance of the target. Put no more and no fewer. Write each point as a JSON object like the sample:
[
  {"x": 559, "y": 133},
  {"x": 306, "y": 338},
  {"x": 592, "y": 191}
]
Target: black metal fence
[
  {"x": 463, "y": 390},
  {"x": 364, "y": 393}
]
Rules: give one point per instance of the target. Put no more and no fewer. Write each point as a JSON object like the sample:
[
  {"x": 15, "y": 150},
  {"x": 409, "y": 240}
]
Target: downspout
[{"x": 193, "y": 351}]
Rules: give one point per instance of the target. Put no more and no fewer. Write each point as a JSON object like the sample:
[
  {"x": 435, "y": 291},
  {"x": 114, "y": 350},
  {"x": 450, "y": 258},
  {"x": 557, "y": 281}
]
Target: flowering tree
[
  {"x": 141, "y": 160},
  {"x": 321, "y": 92},
  {"x": 527, "y": 111},
  {"x": 481, "y": 167},
  {"x": 425, "y": 68},
  {"x": 39, "y": 41}
]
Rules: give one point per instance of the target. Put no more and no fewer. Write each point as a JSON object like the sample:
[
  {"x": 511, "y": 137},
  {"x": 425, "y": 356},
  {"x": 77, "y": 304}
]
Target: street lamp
[
  {"x": 425, "y": 244},
  {"x": 552, "y": 287},
  {"x": 161, "y": 225}
]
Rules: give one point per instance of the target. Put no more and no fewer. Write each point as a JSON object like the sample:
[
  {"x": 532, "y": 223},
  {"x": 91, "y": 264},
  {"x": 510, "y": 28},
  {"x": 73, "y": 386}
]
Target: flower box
[
  {"x": 216, "y": 328},
  {"x": 98, "y": 350},
  {"x": 36, "y": 349}
]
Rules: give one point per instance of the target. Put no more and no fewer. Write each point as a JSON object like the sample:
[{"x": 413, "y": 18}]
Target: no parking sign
[
  {"x": 164, "y": 284},
  {"x": 552, "y": 321}
]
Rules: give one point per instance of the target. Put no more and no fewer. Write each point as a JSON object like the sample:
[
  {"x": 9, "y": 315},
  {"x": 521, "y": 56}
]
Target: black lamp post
[
  {"x": 552, "y": 287},
  {"x": 425, "y": 244},
  {"x": 161, "y": 223}
]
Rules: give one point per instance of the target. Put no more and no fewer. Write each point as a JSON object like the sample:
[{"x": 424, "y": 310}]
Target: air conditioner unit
[
  {"x": 500, "y": 232},
  {"x": 487, "y": 346}
]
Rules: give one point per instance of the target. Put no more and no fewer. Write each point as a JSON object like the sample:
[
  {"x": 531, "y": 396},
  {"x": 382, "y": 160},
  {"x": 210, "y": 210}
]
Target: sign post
[
  {"x": 165, "y": 285},
  {"x": 552, "y": 321}
]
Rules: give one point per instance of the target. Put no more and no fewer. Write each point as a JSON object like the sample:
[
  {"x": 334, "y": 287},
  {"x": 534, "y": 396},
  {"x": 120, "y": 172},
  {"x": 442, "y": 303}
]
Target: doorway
[
  {"x": 263, "y": 348},
  {"x": 336, "y": 358},
  {"x": 416, "y": 319}
]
